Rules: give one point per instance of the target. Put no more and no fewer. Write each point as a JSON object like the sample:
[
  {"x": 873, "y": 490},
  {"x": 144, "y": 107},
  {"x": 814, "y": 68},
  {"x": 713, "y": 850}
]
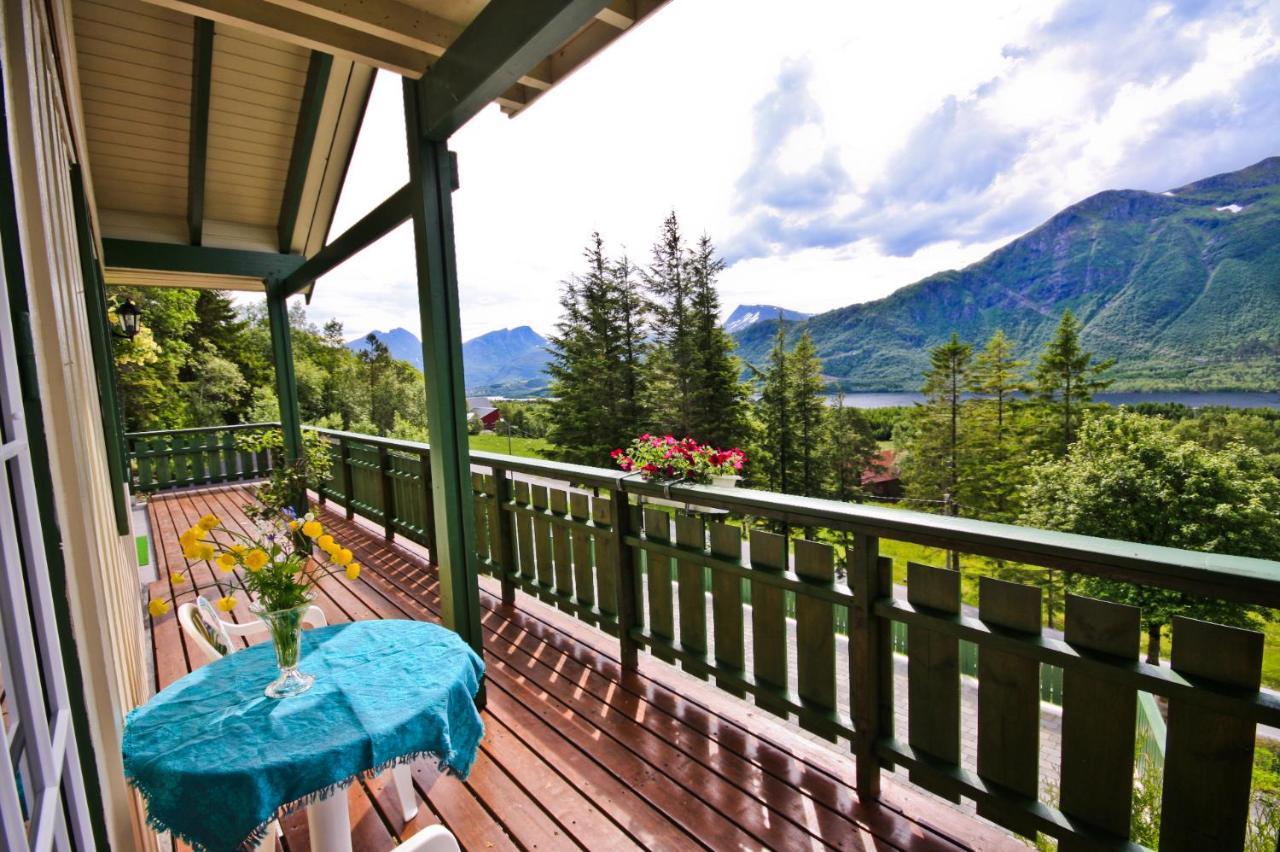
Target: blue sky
[{"x": 834, "y": 154}]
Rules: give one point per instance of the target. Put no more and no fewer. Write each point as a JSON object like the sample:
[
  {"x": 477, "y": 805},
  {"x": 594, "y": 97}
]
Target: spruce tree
[
  {"x": 718, "y": 398},
  {"x": 596, "y": 355},
  {"x": 1066, "y": 378},
  {"x": 934, "y": 461},
  {"x": 773, "y": 466},
  {"x": 670, "y": 381},
  {"x": 849, "y": 449},
  {"x": 997, "y": 376},
  {"x": 808, "y": 418}
]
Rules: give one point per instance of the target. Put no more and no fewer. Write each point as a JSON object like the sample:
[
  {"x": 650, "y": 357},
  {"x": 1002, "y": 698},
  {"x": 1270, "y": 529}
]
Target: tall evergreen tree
[
  {"x": 996, "y": 376},
  {"x": 670, "y": 383},
  {"x": 595, "y": 360},
  {"x": 808, "y": 418},
  {"x": 934, "y": 461},
  {"x": 1066, "y": 378},
  {"x": 773, "y": 466},
  {"x": 717, "y": 407}
]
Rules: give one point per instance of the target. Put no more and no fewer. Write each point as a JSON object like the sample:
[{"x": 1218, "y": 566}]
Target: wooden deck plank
[{"x": 578, "y": 753}]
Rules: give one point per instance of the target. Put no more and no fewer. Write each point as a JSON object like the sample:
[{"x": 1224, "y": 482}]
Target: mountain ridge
[{"x": 1182, "y": 287}]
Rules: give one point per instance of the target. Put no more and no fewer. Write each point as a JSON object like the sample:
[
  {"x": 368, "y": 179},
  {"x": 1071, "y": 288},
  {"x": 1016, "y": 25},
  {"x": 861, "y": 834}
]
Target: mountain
[
  {"x": 1181, "y": 287},
  {"x": 748, "y": 315},
  {"x": 402, "y": 343},
  {"x": 507, "y": 362}
]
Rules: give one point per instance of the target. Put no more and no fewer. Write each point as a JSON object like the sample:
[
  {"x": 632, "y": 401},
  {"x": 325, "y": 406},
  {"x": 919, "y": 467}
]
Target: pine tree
[
  {"x": 718, "y": 398},
  {"x": 670, "y": 383},
  {"x": 778, "y": 444},
  {"x": 934, "y": 460},
  {"x": 808, "y": 418},
  {"x": 595, "y": 360},
  {"x": 629, "y": 311},
  {"x": 1066, "y": 378},
  {"x": 996, "y": 375}
]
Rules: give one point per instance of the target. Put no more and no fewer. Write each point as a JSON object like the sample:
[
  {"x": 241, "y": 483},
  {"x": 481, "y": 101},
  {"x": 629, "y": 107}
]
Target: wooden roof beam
[
  {"x": 198, "y": 145},
  {"x": 504, "y": 41},
  {"x": 307, "y": 30},
  {"x": 172, "y": 257},
  {"x": 304, "y": 138},
  {"x": 415, "y": 28}
]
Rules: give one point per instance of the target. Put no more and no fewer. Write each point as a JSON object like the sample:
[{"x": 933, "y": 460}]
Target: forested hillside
[
  {"x": 1181, "y": 287},
  {"x": 197, "y": 361}
]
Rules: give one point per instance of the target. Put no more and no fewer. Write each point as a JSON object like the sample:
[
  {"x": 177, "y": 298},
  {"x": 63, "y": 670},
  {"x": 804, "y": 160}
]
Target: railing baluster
[
  {"x": 933, "y": 673},
  {"x": 1208, "y": 762},
  {"x": 768, "y": 621},
  {"x": 1009, "y": 700},
  {"x": 815, "y": 637},
  {"x": 1098, "y": 721},
  {"x": 657, "y": 527},
  {"x": 541, "y": 537},
  {"x": 726, "y": 606},
  {"x": 388, "y": 491},
  {"x": 349, "y": 488},
  {"x": 503, "y": 542},
  {"x": 429, "y": 504},
  {"x": 691, "y": 580},
  {"x": 623, "y": 556},
  {"x": 561, "y": 549}
]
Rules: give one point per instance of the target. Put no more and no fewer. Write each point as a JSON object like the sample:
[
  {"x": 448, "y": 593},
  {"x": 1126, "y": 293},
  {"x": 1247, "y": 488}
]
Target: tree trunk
[{"x": 1153, "y": 644}]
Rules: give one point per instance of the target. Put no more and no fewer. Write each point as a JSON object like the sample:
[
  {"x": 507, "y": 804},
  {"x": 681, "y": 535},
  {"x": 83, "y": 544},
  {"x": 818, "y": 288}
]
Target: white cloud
[{"x": 1049, "y": 102}]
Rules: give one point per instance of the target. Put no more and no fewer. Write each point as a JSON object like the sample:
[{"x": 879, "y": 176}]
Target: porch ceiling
[{"x": 230, "y": 123}]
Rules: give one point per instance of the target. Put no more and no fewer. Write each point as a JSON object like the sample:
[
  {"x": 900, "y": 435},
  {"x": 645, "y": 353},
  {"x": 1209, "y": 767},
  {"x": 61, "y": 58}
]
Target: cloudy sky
[{"x": 834, "y": 153}]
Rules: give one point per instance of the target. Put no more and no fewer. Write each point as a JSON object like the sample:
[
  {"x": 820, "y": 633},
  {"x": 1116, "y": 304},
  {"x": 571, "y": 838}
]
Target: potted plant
[
  {"x": 277, "y": 569},
  {"x": 667, "y": 458}
]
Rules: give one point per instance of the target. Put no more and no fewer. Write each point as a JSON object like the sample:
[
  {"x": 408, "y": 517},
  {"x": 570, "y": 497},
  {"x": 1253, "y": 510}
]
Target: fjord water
[{"x": 1192, "y": 399}]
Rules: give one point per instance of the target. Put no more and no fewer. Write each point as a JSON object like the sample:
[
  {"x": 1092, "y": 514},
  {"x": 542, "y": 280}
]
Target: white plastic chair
[
  {"x": 434, "y": 838},
  {"x": 226, "y": 633}
]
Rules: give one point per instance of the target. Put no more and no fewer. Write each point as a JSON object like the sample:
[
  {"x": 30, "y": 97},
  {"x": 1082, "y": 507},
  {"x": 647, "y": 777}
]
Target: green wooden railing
[
  {"x": 758, "y": 615},
  {"x": 176, "y": 458}
]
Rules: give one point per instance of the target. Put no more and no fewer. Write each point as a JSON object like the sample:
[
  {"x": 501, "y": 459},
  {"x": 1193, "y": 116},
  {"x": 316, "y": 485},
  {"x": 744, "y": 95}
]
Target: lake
[{"x": 1194, "y": 399}]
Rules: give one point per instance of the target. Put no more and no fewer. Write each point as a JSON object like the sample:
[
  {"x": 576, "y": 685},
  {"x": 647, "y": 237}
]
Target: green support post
[
  {"x": 286, "y": 380},
  {"x": 431, "y": 186}
]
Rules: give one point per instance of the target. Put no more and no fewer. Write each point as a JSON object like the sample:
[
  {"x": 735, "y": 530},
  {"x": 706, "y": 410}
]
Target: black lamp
[{"x": 129, "y": 314}]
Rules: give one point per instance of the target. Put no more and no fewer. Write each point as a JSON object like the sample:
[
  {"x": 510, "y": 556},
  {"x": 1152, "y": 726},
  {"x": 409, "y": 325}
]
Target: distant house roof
[
  {"x": 474, "y": 402},
  {"x": 884, "y": 468}
]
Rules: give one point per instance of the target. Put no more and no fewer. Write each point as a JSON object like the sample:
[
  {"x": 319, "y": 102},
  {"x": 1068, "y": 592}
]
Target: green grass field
[{"x": 536, "y": 448}]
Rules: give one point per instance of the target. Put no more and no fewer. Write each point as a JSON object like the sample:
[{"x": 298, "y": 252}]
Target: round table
[{"x": 216, "y": 760}]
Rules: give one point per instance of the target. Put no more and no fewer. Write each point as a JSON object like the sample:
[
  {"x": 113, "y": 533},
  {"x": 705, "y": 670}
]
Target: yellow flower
[
  {"x": 190, "y": 538},
  {"x": 353, "y": 570},
  {"x": 238, "y": 549},
  {"x": 177, "y": 578},
  {"x": 325, "y": 542},
  {"x": 293, "y": 525},
  {"x": 157, "y": 608},
  {"x": 205, "y": 551},
  {"x": 256, "y": 559},
  {"x": 227, "y": 561},
  {"x": 312, "y": 529},
  {"x": 228, "y": 603},
  {"x": 191, "y": 551},
  {"x": 342, "y": 557},
  {"x": 208, "y": 522}
]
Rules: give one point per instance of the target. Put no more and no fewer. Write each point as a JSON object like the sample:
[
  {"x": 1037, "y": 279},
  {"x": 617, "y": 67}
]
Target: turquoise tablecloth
[{"x": 215, "y": 759}]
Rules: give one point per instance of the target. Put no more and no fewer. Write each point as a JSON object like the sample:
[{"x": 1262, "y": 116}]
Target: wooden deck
[{"x": 578, "y": 753}]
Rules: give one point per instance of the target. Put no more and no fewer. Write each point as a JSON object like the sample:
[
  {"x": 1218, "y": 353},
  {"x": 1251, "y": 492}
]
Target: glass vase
[{"x": 285, "y": 627}]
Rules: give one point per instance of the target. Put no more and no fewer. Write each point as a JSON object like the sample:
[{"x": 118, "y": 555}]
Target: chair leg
[{"x": 402, "y": 780}]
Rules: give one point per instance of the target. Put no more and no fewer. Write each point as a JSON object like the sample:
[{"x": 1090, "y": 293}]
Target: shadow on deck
[{"x": 579, "y": 753}]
